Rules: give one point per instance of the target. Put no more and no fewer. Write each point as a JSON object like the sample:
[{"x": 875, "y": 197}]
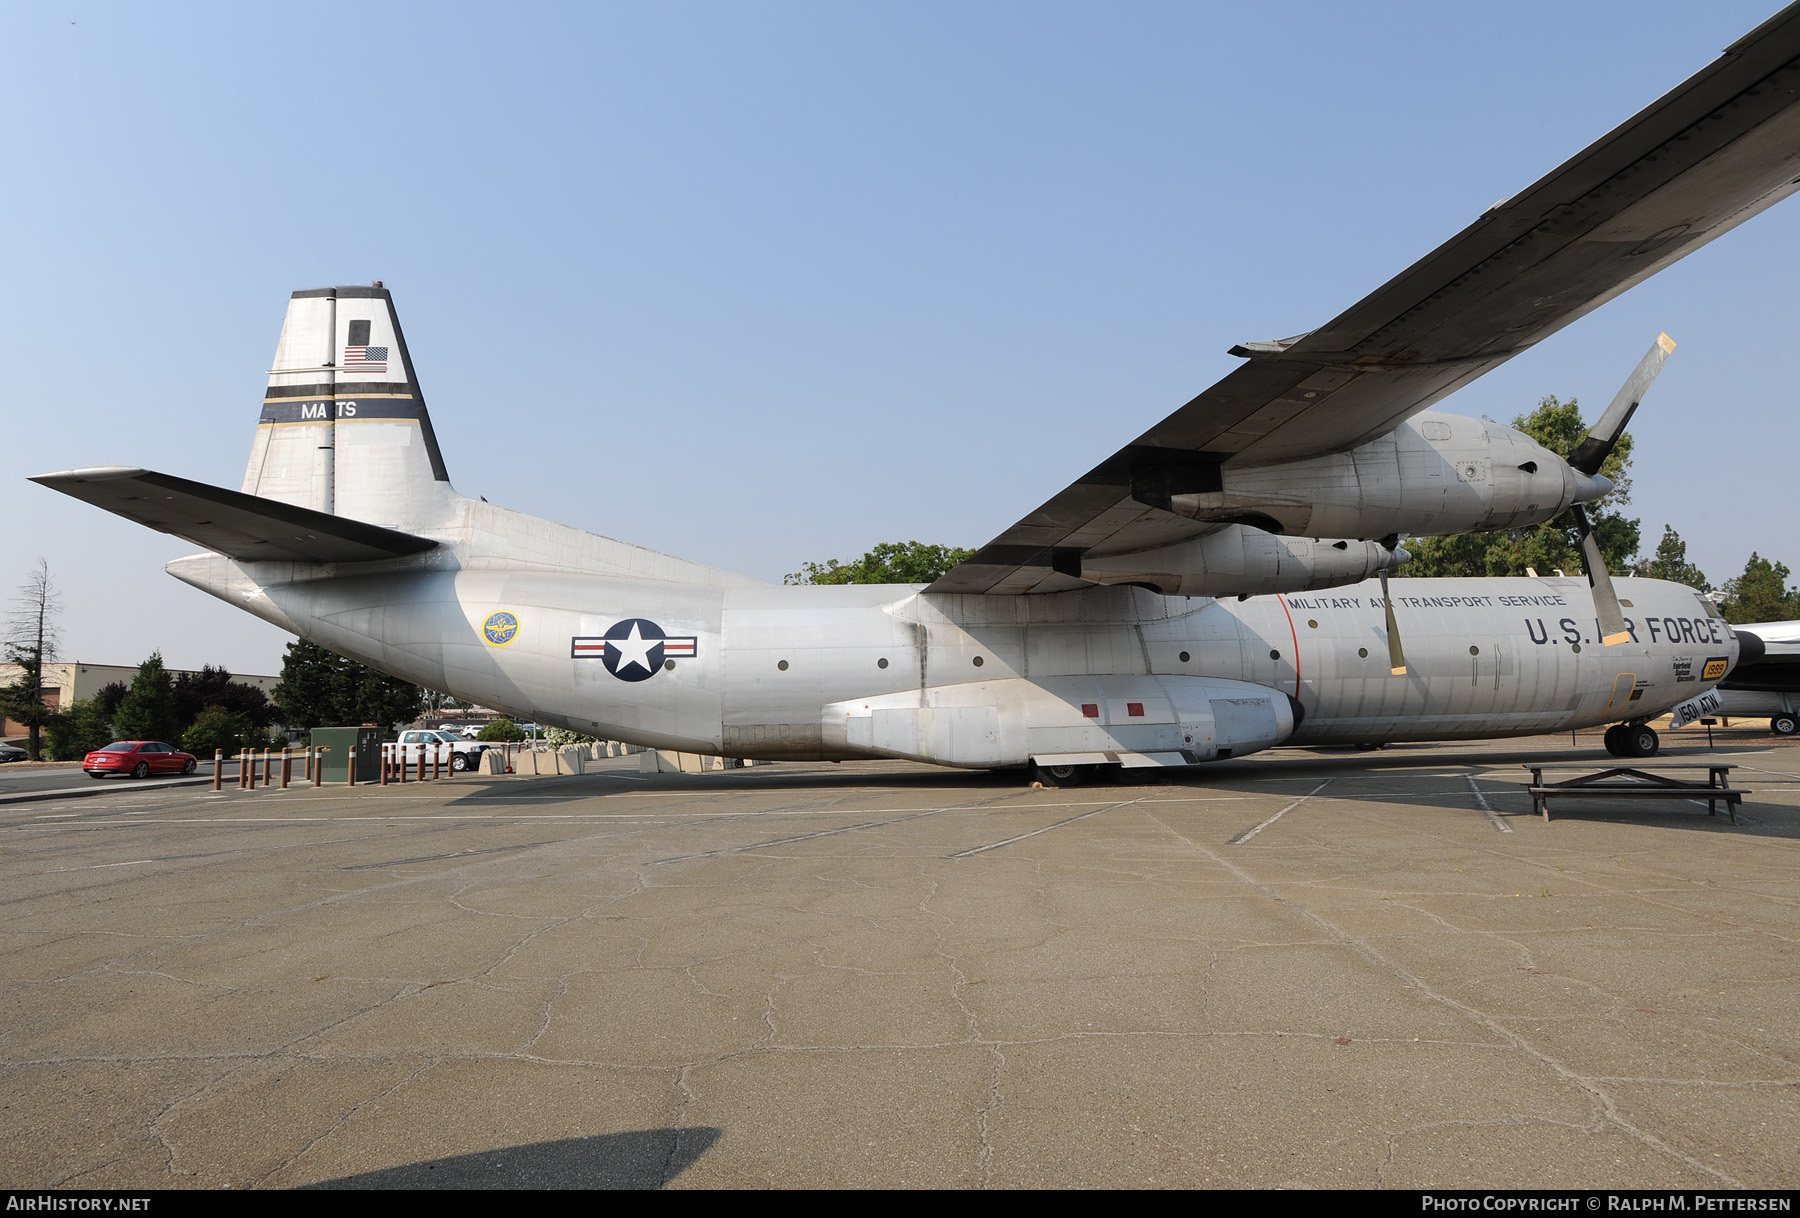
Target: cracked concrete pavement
[{"x": 1314, "y": 968}]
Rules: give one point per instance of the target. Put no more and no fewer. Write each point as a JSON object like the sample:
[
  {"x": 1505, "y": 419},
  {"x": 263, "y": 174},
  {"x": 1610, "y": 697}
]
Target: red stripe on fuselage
[{"x": 1295, "y": 635}]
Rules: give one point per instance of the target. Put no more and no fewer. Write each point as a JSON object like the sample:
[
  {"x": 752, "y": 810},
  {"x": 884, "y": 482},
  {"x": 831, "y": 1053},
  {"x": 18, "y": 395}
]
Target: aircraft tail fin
[{"x": 344, "y": 429}]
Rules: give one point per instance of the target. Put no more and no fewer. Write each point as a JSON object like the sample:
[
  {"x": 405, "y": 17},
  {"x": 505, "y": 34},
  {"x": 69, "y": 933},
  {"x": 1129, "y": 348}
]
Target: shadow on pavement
[
  {"x": 645, "y": 1158},
  {"x": 565, "y": 789}
]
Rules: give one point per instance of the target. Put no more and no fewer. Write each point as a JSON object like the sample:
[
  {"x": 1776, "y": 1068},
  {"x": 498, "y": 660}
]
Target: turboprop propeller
[
  {"x": 1396, "y": 656},
  {"x": 1587, "y": 459}
]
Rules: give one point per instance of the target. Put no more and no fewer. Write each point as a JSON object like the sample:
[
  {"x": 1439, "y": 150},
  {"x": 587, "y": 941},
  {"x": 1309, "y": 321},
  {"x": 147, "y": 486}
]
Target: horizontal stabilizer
[{"x": 240, "y": 526}]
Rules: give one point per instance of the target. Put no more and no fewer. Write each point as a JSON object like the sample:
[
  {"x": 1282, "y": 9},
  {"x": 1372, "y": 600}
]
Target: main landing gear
[
  {"x": 1062, "y": 775},
  {"x": 1632, "y": 740},
  {"x": 1784, "y": 724}
]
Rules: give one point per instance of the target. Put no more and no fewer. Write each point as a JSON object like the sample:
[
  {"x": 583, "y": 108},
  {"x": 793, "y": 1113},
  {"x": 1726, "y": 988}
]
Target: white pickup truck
[{"x": 447, "y": 748}]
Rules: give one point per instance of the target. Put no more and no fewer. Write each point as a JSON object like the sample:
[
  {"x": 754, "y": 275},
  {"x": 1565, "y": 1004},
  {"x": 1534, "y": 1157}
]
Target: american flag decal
[{"x": 365, "y": 359}]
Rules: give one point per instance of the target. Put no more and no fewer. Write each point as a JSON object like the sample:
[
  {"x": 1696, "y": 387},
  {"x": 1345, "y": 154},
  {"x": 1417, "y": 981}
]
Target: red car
[{"x": 140, "y": 759}]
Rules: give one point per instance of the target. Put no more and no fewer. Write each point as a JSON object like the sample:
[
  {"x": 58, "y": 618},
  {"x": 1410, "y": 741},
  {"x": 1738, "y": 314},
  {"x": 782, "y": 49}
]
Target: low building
[{"x": 67, "y": 681}]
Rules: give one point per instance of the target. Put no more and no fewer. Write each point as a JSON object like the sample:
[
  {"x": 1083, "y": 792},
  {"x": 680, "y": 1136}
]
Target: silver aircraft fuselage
[{"x": 1097, "y": 675}]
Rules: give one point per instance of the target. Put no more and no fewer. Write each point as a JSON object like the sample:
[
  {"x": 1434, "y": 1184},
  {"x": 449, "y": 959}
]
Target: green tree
[
  {"x": 1671, "y": 562},
  {"x": 148, "y": 711},
  {"x": 320, "y": 688},
  {"x": 213, "y": 687},
  {"x": 31, "y": 640},
  {"x": 310, "y": 689},
  {"x": 1760, "y": 594},
  {"x": 78, "y": 729},
  {"x": 107, "y": 698},
  {"x": 216, "y": 728},
  {"x": 501, "y": 731},
  {"x": 891, "y": 562},
  {"x": 1555, "y": 544}
]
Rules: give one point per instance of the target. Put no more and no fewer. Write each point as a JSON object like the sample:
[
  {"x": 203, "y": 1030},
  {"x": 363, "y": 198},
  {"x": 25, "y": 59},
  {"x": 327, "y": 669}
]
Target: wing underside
[
  {"x": 1710, "y": 154},
  {"x": 240, "y": 526}
]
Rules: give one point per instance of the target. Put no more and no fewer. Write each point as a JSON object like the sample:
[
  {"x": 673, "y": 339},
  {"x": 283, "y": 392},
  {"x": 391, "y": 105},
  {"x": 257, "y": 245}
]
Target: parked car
[
  {"x": 12, "y": 752},
  {"x": 450, "y": 748},
  {"x": 140, "y": 759}
]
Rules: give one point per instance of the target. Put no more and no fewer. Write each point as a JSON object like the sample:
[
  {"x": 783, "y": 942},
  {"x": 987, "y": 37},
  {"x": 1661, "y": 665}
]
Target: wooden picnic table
[{"x": 1644, "y": 780}]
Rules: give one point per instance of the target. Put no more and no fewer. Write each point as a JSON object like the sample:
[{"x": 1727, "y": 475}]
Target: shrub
[
  {"x": 216, "y": 728},
  {"x": 502, "y": 730},
  {"x": 78, "y": 731}
]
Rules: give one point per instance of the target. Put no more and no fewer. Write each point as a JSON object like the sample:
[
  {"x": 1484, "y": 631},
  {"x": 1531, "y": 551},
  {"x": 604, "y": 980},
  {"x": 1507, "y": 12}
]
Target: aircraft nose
[{"x": 1589, "y": 487}]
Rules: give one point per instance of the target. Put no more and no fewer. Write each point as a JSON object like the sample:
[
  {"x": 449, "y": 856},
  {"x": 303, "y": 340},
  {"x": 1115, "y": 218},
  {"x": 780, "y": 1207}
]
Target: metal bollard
[
  {"x": 400, "y": 761},
  {"x": 309, "y": 759},
  {"x": 350, "y": 767},
  {"x": 421, "y": 763},
  {"x": 437, "y": 757},
  {"x": 387, "y": 756},
  {"x": 318, "y": 769},
  {"x": 242, "y": 777},
  {"x": 218, "y": 769},
  {"x": 287, "y": 768},
  {"x": 250, "y": 764}
]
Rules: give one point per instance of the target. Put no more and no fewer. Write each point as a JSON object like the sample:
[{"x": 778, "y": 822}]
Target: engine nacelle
[
  {"x": 1434, "y": 474},
  {"x": 1241, "y": 561}
]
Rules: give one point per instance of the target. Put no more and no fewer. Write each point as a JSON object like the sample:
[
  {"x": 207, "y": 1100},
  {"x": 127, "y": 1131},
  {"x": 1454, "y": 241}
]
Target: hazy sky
[{"x": 762, "y": 283}]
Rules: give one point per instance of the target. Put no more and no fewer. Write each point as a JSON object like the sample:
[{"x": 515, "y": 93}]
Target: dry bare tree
[{"x": 32, "y": 638}]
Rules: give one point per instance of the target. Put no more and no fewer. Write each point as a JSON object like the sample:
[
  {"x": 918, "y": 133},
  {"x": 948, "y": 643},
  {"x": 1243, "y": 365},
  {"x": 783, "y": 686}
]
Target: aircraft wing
[
  {"x": 1706, "y": 157},
  {"x": 1768, "y": 658},
  {"x": 245, "y": 527}
]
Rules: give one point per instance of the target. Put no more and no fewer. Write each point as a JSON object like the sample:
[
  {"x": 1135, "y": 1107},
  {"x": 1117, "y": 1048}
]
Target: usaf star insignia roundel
[{"x": 635, "y": 649}]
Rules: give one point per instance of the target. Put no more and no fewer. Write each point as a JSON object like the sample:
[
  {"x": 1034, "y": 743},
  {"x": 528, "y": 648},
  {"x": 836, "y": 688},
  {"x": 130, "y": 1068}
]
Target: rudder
[{"x": 344, "y": 428}]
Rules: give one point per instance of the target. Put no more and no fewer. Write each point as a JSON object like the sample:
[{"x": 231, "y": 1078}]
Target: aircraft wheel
[
  {"x": 1615, "y": 740},
  {"x": 1784, "y": 725},
  {"x": 1641, "y": 741},
  {"x": 1061, "y": 775}
]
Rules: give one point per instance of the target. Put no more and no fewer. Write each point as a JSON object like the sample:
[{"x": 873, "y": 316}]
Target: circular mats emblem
[{"x": 500, "y": 628}]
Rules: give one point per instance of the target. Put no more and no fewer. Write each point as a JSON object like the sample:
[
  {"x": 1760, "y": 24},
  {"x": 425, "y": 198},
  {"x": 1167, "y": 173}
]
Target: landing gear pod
[{"x": 1061, "y": 723}]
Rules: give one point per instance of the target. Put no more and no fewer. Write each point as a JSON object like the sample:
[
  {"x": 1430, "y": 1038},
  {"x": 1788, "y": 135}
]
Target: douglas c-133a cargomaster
[{"x": 1199, "y": 594}]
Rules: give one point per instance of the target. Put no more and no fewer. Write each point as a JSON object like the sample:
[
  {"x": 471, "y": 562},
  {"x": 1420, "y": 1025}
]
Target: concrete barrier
[
  {"x": 569, "y": 759},
  {"x": 493, "y": 761},
  {"x": 663, "y": 761}
]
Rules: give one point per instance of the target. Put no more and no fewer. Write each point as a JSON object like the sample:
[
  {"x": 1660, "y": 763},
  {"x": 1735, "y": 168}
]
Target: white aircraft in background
[
  {"x": 1765, "y": 681},
  {"x": 1184, "y": 601}
]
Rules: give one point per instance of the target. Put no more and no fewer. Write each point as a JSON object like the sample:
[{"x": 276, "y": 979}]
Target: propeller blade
[
  {"x": 1597, "y": 446},
  {"x": 1396, "y": 657},
  {"x": 1606, "y": 602}
]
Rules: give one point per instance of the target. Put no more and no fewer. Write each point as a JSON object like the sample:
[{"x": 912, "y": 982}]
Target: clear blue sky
[{"x": 757, "y": 284}]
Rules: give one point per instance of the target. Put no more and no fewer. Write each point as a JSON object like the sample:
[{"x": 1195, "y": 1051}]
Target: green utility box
[{"x": 339, "y": 744}]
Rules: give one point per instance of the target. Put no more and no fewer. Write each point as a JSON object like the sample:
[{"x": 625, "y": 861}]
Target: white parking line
[
  {"x": 1482, "y": 803},
  {"x": 1245, "y": 836},
  {"x": 963, "y": 854}
]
